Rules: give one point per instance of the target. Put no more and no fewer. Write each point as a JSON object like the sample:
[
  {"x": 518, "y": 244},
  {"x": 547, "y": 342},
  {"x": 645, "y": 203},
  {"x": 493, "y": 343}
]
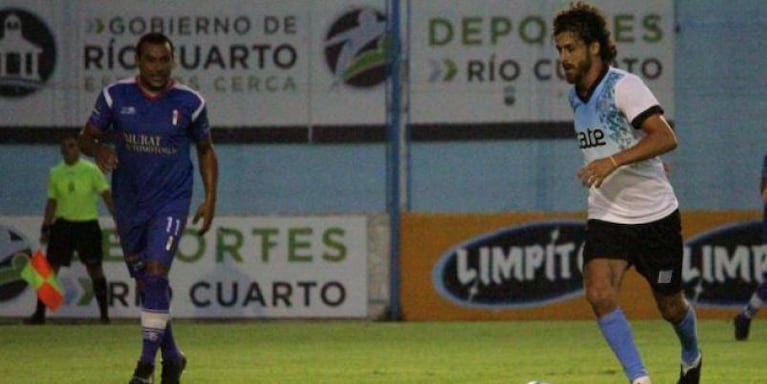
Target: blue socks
[
  {"x": 688, "y": 336},
  {"x": 617, "y": 332},
  {"x": 155, "y": 313},
  {"x": 168, "y": 347}
]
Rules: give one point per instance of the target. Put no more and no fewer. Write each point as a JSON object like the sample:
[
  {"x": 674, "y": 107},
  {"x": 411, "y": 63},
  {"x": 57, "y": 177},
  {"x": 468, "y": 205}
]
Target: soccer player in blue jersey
[
  {"x": 152, "y": 122},
  {"x": 742, "y": 320},
  {"x": 633, "y": 216}
]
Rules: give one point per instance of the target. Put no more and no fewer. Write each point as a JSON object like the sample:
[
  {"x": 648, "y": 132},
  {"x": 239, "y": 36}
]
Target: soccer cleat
[
  {"x": 171, "y": 370},
  {"x": 143, "y": 374},
  {"x": 691, "y": 374},
  {"x": 742, "y": 326},
  {"x": 105, "y": 320},
  {"x": 642, "y": 380}
]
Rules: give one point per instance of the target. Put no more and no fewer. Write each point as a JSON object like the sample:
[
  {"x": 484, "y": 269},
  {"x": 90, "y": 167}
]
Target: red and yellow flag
[{"x": 39, "y": 274}]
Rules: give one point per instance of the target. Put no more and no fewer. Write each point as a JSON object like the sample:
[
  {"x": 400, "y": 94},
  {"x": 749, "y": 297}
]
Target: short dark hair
[
  {"x": 153, "y": 38},
  {"x": 589, "y": 24}
]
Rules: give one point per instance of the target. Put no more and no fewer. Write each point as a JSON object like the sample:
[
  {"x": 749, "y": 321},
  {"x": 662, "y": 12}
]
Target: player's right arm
[
  {"x": 90, "y": 139},
  {"x": 91, "y": 145}
]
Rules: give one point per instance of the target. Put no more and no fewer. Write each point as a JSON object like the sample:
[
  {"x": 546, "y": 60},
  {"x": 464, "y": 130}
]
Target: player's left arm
[
  {"x": 91, "y": 145},
  {"x": 101, "y": 187},
  {"x": 208, "y": 162},
  {"x": 659, "y": 139},
  {"x": 635, "y": 100}
]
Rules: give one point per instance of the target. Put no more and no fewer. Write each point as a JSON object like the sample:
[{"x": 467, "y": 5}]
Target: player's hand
[
  {"x": 106, "y": 158},
  {"x": 205, "y": 212},
  {"x": 595, "y": 172}
]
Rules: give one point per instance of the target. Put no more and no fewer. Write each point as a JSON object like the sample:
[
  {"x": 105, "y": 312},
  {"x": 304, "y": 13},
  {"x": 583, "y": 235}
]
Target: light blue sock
[
  {"x": 617, "y": 332},
  {"x": 687, "y": 332}
]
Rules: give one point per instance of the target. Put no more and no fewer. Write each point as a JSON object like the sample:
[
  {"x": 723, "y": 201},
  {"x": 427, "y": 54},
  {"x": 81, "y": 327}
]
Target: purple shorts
[{"x": 155, "y": 240}]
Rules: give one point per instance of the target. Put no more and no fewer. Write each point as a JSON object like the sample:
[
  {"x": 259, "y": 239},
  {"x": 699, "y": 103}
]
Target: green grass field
[{"x": 374, "y": 352}]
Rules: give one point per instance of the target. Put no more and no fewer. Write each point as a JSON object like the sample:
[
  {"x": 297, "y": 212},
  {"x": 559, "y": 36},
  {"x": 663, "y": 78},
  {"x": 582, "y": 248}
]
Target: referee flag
[{"x": 39, "y": 274}]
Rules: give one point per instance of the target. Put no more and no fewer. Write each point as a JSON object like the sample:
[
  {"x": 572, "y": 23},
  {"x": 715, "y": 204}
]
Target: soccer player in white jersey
[
  {"x": 633, "y": 216},
  {"x": 153, "y": 122}
]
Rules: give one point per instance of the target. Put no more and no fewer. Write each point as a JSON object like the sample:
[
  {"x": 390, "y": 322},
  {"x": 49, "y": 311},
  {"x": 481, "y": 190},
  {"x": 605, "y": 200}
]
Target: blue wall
[{"x": 721, "y": 107}]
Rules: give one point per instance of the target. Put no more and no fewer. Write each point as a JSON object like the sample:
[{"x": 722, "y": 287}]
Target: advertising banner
[
  {"x": 529, "y": 266},
  {"x": 281, "y": 63},
  {"x": 244, "y": 267},
  {"x": 486, "y": 61},
  {"x": 301, "y": 63}
]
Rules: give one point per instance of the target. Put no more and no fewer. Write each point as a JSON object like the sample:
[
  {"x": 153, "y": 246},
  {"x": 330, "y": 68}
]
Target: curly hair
[{"x": 589, "y": 24}]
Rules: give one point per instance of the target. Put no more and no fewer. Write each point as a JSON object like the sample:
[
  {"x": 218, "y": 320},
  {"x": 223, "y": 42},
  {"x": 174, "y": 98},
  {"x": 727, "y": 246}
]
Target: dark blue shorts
[{"x": 155, "y": 239}]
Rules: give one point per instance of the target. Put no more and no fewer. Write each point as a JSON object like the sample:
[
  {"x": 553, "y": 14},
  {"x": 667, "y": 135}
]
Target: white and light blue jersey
[
  {"x": 608, "y": 122},
  {"x": 153, "y": 137}
]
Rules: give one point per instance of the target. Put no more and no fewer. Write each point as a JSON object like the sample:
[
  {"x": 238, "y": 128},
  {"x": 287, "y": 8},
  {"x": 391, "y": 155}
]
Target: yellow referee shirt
[{"x": 76, "y": 189}]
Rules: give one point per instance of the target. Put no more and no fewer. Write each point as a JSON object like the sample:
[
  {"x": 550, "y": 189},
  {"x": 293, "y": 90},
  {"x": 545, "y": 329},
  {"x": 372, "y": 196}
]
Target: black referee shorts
[
  {"x": 69, "y": 236},
  {"x": 655, "y": 249}
]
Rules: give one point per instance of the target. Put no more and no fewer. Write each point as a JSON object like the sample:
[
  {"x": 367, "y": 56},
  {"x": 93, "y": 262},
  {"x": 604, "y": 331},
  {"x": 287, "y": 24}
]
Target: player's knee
[
  {"x": 601, "y": 298},
  {"x": 154, "y": 267}
]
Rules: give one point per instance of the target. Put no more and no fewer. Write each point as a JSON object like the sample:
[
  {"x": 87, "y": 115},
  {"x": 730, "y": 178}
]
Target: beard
[{"x": 576, "y": 74}]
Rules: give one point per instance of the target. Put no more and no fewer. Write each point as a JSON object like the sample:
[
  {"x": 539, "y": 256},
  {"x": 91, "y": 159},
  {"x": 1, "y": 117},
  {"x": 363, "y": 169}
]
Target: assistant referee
[{"x": 71, "y": 221}]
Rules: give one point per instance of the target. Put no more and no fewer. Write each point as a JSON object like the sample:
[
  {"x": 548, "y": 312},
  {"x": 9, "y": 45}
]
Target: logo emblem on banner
[
  {"x": 27, "y": 53},
  {"x": 357, "y": 48}
]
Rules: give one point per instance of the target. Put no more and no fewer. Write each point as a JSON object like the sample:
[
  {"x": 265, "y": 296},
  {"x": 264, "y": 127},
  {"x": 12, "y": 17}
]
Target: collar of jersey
[
  {"x": 585, "y": 99},
  {"x": 159, "y": 94}
]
